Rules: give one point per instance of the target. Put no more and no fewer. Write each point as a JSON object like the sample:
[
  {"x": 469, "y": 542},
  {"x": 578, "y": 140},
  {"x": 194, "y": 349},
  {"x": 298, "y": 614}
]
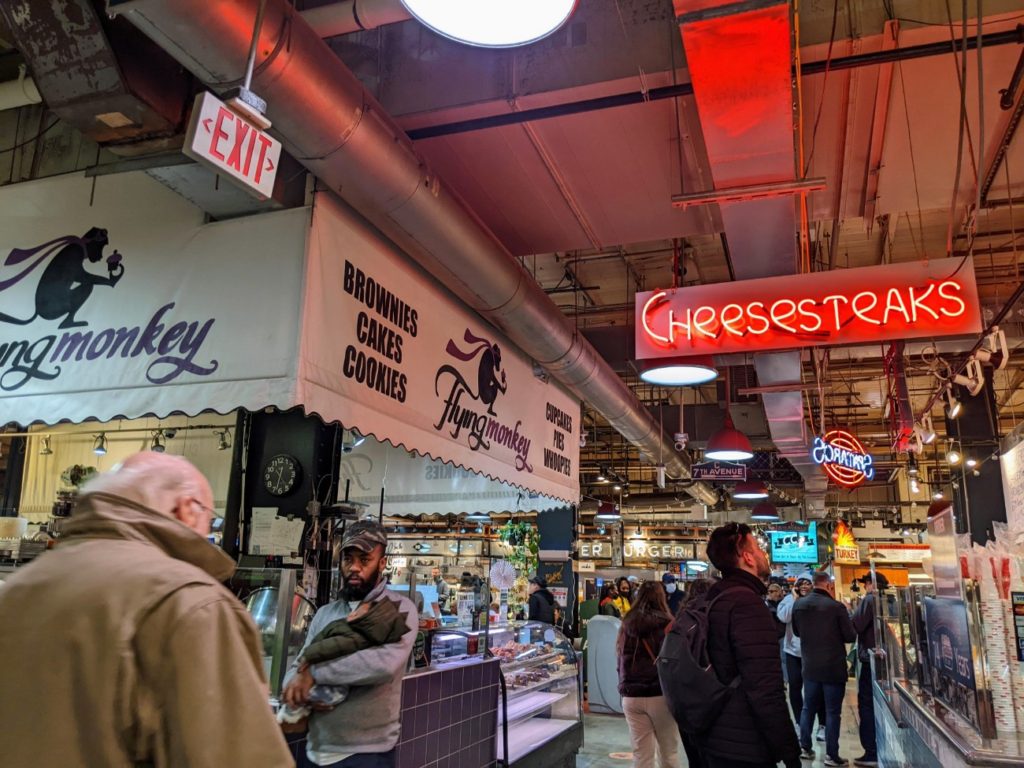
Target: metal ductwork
[
  {"x": 336, "y": 128},
  {"x": 354, "y": 16},
  {"x": 740, "y": 59},
  {"x": 132, "y": 102}
]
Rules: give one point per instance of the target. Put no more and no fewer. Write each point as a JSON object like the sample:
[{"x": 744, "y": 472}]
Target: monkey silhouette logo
[
  {"x": 65, "y": 284},
  {"x": 490, "y": 381}
]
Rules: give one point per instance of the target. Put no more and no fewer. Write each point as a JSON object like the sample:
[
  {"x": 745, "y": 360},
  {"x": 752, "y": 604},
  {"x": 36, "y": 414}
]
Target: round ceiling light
[
  {"x": 729, "y": 444},
  {"x": 492, "y": 23},
  {"x": 751, "y": 489},
  {"x": 764, "y": 511},
  {"x": 678, "y": 371}
]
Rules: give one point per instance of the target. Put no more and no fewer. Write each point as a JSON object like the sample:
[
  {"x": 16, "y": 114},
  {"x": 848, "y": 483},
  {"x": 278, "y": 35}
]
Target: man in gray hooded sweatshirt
[{"x": 363, "y": 730}]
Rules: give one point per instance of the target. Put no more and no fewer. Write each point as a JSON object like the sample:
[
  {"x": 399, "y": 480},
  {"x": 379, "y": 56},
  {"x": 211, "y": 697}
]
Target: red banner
[{"x": 917, "y": 299}]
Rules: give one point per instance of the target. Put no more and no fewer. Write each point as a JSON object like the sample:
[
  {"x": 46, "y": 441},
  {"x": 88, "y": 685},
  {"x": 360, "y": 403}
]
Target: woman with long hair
[{"x": 652, "y": 729}]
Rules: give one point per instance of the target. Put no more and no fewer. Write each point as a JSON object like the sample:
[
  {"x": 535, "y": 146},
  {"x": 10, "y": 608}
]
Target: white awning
[{"x": 119, "y": 301}]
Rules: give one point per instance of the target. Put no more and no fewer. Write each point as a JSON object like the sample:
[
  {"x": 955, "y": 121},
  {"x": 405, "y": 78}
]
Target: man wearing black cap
[
  {"x": 363, "y": 730},
  {"x": 864, "y": 623},
  {"x": 542, "y": 602}
]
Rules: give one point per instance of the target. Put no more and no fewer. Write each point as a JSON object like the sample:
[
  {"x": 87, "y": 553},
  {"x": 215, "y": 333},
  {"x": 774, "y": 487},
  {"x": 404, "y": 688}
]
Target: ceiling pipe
[
  {"x": 328, "y": 121},
  {"x": 354, "y": 16}
]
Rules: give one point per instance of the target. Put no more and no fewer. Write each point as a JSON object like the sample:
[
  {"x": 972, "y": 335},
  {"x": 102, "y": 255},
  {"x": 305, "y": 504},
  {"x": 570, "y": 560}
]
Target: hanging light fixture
[
  {"x": 223, "y": 439},
  {"x": 697, "y": 566},
  {"x": 953, "y": 406},
  {"x": 44, "y": 446},
  {"x": 953, "y": 455},
  {"x": 478, "y": 517},
  {"x": 751, "y": 489},
  {"x": 608, "y": 513},
  {"x": 938, "y": 495},
  {"x": 914, "y": 487},
  {"x": 927, "y": 431},
  {"x": 764, "y": 511},
  {"x": 971, "y": 463},
  {"x": 158, "y": 442},
  {"x": 729, "y": 444},
  {"x": 99, "y": 446},
  {"x": 678, "y": 371},
  {"x": 912, "y": 465}
]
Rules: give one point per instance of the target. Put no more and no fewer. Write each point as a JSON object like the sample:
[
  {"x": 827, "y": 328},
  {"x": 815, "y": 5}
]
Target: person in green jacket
[{"x": 370, "y": 625}]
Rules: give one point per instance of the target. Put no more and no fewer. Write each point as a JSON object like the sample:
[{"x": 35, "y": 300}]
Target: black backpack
[{"x": 692, "y": 690}]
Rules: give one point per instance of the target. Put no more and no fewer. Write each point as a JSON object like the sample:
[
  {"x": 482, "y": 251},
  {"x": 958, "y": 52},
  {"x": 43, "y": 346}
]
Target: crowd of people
[
  {"x": 763, "y": 636},
  {"x": 140, "y": 656}
]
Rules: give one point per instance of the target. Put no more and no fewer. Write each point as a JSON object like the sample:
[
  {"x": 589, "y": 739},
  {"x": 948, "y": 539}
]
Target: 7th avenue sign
[{"x": 718, "y": 470}]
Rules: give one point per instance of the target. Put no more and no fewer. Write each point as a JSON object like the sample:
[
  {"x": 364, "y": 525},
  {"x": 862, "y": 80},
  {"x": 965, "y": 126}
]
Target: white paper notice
[{"x": 260, "y": 533}]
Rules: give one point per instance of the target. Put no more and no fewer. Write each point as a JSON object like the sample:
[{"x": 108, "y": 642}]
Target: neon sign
[
  {"x": 912, "y": 300},
  {"x": 843, "y": 458}
]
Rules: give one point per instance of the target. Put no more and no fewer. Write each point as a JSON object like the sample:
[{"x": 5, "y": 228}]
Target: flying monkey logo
[
  {"x": 483, "y": 427},
  {"x": 64, "y": 287}
]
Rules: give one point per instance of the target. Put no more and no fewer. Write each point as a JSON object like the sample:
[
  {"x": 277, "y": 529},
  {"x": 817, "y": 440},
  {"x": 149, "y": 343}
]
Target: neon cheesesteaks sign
[{"x": 850, "y": 306}]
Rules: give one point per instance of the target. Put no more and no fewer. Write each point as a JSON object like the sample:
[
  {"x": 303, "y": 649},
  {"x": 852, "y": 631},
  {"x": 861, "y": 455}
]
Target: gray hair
[
  {"x": 154, "y": 480},
  {"x": 821, "y": 579}
]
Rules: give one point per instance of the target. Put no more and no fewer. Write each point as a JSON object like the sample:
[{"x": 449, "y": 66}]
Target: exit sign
[{"x": 225, "y": 141}]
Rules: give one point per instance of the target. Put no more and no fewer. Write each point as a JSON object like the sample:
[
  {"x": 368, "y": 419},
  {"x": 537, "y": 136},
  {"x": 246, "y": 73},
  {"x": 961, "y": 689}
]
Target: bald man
[{"x": 121, "y": 647}]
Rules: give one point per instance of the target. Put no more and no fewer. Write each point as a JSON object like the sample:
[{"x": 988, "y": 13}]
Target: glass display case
[{"x": 540, "y": 715}]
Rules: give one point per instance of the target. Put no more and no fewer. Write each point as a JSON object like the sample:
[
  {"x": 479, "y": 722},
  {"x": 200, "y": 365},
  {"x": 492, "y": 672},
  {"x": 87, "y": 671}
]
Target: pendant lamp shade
[
  {"x": 764, "y": 511},
  {"x": 678, "y": 371},
  {"x": 751, "y": 489},
  {"x": 729, "y": 444}
]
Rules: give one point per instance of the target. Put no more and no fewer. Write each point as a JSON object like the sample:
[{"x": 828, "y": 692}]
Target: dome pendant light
[
  {"x": 751, "y": 489},
  {"x": 765, "y": 511},
  {"x": 729, "y": 444},
  {"x": 678, "y": 371},
  {"x": 99, "y": 446}
]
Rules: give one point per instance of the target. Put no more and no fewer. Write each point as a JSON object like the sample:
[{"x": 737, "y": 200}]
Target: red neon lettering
[
  {"x": 700, "y": 326},
  {"x": 957, "y": 299},
  {"x": 836, "y": 299},
  {"x": 777, "y": 318},
  {"x": 917, "y": 302},
  {"x": 762, "y": 318},
  {"x": 728, "y": 321},
  {"x": 235, "y": 158},
  {"x": 264, "y": 146},
  {"x": 805, "y": 313},
  {"x": 219, "y": 132},
  {"x": 894, "y": 303},
  {"x": 645, "y": 316},
  {"x": 859, "y": 311}
]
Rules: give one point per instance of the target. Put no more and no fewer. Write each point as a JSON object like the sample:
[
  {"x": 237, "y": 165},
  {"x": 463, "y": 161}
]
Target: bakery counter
[{"x": 916, "y": 730}]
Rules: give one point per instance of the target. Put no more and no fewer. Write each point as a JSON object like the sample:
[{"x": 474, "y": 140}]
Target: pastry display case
[{"x": 540, "y": 715}]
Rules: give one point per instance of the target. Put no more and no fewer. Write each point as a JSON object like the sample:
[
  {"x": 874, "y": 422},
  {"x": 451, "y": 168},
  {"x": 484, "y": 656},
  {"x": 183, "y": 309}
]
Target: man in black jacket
[
  {"x": 542, "y": 602},
  {"x": 754, "y": 729},
  {"x": 824, "y": 628},
  {"x": 864, "y": 623}
]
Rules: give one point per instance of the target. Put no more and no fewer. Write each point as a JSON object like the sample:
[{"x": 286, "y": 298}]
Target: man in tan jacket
[{"x": 121, "y": 647}]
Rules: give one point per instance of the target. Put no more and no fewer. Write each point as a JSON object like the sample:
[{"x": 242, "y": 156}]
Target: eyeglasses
[{"x": 210, "y": 511}]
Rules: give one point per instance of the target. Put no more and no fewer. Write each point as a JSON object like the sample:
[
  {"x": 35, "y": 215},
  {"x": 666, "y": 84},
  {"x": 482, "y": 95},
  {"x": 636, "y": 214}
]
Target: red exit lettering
[{"x": 244, "y": 141}]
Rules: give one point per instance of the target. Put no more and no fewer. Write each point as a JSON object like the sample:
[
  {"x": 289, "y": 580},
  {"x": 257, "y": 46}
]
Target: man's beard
[{"x": 360, "y": 590}]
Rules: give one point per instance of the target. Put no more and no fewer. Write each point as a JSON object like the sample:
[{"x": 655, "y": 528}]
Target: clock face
[{"x": 281, "y": 475}]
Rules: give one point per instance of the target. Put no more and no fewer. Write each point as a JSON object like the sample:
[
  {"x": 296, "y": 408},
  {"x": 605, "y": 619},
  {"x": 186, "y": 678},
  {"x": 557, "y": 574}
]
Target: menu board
[
  {"x": 945, "y": 563},
  {"x": 795, "y": 546},
  {"x": 949, "y": 649}
]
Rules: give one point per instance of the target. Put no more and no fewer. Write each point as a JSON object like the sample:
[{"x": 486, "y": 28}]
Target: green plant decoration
[{"x": 524, "y": 543}]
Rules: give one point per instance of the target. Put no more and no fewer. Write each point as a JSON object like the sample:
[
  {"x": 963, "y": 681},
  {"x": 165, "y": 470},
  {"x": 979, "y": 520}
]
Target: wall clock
[{"x": 282, "y": 474}]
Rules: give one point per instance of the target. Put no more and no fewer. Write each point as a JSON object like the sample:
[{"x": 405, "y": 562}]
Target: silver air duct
[{"x": 334, "y": 127}]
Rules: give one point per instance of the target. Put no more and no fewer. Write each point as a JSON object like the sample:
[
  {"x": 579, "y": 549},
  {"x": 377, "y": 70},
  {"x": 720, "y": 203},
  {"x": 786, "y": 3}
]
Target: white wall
[{"x": 73, "y": 444}]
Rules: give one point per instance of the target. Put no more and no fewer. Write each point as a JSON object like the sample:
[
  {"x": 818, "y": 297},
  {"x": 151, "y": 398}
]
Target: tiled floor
[{"x": 605, "y": 735}]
